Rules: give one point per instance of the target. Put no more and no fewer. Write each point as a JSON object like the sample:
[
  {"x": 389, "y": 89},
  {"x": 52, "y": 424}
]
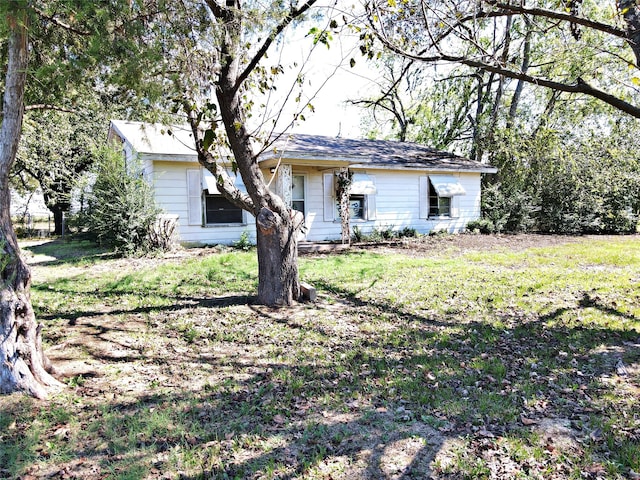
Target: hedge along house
[{"x": 394, "y": 185}]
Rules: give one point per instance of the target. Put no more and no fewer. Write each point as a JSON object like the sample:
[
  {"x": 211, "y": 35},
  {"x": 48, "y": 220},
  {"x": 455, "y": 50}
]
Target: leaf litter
[{"x": 336, "y": 389}]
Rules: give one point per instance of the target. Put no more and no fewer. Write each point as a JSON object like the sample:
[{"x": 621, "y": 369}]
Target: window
[
  {"x": 297, "y": 193},
  {"x": 219, "y": 210},
  {"x": 438, "y": 206},
  {"x": 356, "y": 207},
  {"x": 362, "y": 198},
  {"x": 440, "y": 196}
]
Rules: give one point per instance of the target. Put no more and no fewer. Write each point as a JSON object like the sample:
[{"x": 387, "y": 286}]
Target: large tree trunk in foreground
[
  {"x": 277, "y": 259},
  {"x": 23, "y": 365},
  {"x": 276, "y": 223}
]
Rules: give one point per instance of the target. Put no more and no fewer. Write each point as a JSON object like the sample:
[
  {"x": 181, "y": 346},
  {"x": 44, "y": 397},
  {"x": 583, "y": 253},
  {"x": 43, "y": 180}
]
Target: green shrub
[
  {"x": 243, "y": 243},
  {"x": 408, "y": 232},
  {"x": 380, "y": 234},
  {"x": 507, "y": 209},
  {"x": 482, "y": 225},
  {"x": 121, "y": 210}
]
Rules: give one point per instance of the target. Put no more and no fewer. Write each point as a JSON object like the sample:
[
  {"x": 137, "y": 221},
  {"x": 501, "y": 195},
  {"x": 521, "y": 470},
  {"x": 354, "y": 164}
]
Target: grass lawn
[{"x": 452, "y": 357}]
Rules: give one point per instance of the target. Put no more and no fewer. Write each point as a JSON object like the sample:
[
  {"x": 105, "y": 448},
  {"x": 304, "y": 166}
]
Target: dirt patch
[
  {"x": 450, "y": 243},
  {"x": 473, "y": 242}
]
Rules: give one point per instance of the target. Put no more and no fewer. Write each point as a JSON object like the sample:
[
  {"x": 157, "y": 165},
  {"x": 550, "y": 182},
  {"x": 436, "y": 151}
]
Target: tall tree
[
  {"x": 225, "y": 72},
  {"x": 579, "y": 47},
  {"x": 64, "y": 38},
  {"x": 24, "y": 365},
  {"x": 56, "y": 148}
]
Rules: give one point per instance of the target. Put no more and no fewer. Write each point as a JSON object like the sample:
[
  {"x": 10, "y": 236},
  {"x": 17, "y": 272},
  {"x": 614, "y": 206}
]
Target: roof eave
[
  {"x": 440, "y": 168},
  {"x": 168, "y": 157}
]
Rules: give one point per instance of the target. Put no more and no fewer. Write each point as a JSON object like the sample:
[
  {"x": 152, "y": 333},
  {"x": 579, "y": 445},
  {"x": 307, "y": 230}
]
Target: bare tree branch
[
  {"x": 293, "y": 14},
  {"x": 60, "y": 23},
  {"x": 542, "y": 12},
  {"x": 579, "y": 87},
  {"x": 48, "y": 106}
]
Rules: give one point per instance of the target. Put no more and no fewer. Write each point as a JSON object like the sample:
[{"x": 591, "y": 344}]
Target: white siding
[
  {"x": 397, "y": 205},
  {"x": 171, "y": 193}
]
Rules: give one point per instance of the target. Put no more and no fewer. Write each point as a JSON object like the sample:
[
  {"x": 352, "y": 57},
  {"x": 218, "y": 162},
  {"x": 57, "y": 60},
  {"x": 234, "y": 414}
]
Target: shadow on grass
[{"x": 362, "y": 390}]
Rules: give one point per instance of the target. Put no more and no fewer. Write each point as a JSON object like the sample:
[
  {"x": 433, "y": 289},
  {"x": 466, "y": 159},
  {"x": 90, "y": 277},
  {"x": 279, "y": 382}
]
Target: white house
[{"x": 395, "y": 185}]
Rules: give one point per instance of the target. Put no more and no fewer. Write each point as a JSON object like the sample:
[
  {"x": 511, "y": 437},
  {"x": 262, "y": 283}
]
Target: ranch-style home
[{"x": 394, "y": 185}]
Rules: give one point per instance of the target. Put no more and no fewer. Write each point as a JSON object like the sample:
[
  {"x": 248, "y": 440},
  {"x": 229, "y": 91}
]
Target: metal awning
[
  {"x": 447, "y": 185},
  {"x": 362, "y": 184},
  {"x": 209, "y": 182}
]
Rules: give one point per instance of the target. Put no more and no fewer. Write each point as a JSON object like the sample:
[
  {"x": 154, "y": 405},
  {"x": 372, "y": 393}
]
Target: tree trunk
[
  {"x": 631, "y": 14},
  {"x": 23, "y": 365},
  {"x": 58, "y": 217},
  {"x": 276, "y": 224},
  {"x": 55, "y": 200},
  {"x": 277, "y": 259}
]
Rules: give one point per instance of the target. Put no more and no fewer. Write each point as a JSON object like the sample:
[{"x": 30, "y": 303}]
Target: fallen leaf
[
  {"x": 528, "y": 421},
  {"x": 596, "y": 435},
  {"x": 61, "y": 432}
]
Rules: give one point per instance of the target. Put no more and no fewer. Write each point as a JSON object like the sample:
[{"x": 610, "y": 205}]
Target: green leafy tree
[
  {"x": 574, "y": 175},
  {"x": 50, "y": 52},
  {"x": 56, "y": 148},
  {"x": 553, "y": 80},
  {"x": 570, "y": 47}
]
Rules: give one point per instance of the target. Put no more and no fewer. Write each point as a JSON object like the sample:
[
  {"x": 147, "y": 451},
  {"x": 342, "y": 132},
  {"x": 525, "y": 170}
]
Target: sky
[{"x": 332, "y": 115}]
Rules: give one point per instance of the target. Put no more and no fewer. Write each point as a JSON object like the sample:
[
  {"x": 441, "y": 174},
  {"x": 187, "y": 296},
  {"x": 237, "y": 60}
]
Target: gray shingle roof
[
  {"x": 153, "y": 139},
  {"x": 374, "y": 153}
]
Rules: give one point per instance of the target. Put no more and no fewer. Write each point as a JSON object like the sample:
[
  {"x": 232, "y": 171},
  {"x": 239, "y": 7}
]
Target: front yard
[{"x": 452, "y": 357}]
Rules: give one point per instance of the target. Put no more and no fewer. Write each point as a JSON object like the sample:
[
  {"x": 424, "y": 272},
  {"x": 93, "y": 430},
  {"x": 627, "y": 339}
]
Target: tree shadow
[{"x": 381, "y": 399}]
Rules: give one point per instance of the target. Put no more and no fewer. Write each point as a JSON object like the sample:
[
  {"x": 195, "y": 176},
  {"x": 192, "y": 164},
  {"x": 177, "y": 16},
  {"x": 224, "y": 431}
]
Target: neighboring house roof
[{"x": 155, "y": 140}]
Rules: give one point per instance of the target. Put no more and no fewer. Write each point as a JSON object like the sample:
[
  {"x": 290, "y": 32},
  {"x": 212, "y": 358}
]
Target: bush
[
  {"x": 567, "y": 182},
  {"x": 482, "y": 225},
  {"x": 243, "y": 243},
  {"x": 506, "y": 209},
  {"x": 121, "y": 210},
  {"x": 382, "y": 233}
]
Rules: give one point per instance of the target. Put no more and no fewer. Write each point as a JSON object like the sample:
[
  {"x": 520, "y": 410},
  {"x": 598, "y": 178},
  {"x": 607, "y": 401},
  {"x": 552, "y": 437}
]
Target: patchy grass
[{"x": 433, "y": 361}]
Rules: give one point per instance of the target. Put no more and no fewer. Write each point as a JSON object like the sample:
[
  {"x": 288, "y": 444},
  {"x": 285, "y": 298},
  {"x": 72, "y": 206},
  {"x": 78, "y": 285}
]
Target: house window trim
[
  {"x": 433, "y": 193},
  {"x": 363, "y": 217},
  {"x": 242, "y": 223},
  {"x": 305, "y": 193},
  {"x": 369, "y": 206},
  {"x": 425, "y": 187}
]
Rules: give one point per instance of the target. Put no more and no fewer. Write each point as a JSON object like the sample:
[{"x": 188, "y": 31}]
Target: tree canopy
[{"x": 583, "y": 47}]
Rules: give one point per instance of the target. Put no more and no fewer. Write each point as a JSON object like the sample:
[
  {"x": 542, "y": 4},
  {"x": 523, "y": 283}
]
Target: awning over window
[
  {"x": 362, "y": 184},
  {"x": 209, "y": 182},
  {"x": 447, "y": 185}
]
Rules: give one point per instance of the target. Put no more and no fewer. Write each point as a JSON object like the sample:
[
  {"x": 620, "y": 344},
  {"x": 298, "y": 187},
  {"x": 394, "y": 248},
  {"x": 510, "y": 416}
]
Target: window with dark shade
[{"x": 220, "y": 210}]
